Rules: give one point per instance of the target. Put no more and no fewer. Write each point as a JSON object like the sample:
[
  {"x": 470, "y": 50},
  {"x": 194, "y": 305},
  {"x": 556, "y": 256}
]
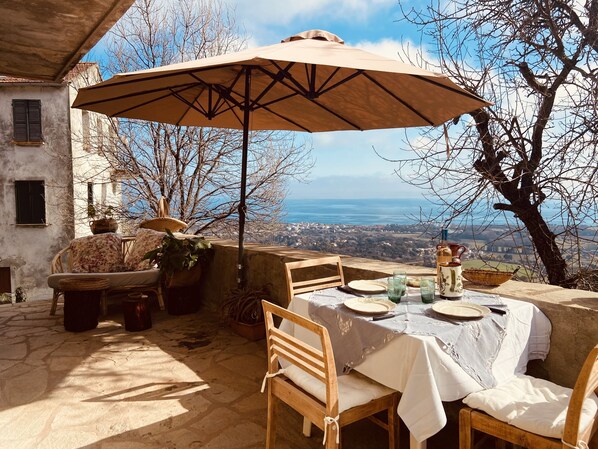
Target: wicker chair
[
  {"x": 579, "y": 425},
  {"x": 309, "y": 384}
]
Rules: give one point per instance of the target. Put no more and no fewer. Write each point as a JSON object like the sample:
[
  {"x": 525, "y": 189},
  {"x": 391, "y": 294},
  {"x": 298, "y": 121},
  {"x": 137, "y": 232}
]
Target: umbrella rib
[
  {"x": 136, "y": 94},
  {"x": 282, "y": 75},
  {"x": 332, "y": 75},
  {"x": 301, "y": 91},
  {"x": 338, "y": 83},
  {"x": 457, "y": 90},
  {"x": 286, "y": 118},
  {"x": 400, "y": 100},
  {"x": 145, "y": 103},
  {"x": 191, "y": 105}
]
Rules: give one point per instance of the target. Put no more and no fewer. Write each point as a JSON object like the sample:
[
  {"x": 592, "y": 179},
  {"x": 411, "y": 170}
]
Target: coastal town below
[{"x": 412, "y": 244}]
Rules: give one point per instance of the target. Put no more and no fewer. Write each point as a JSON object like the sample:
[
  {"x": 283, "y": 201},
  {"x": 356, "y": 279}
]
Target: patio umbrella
[{"x": 309, "y": 82}]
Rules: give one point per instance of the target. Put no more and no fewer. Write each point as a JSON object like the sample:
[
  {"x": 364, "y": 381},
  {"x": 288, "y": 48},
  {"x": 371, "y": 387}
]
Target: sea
[
  {"x": 400, "y": 211},
  {"x": 361, "y": 211}
]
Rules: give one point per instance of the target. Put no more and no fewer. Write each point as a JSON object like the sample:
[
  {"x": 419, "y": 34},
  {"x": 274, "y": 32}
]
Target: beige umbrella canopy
[{"x": 309, "y": 82}]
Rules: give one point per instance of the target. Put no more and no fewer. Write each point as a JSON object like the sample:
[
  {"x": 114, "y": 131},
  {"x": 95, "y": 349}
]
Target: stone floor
[{"x": 187, "y": 382}]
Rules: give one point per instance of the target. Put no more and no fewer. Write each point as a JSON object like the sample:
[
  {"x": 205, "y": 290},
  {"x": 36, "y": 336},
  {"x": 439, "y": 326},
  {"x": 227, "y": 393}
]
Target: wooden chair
[
  {"x": 309, "y": 285},
  {"x": 308, "y": 383},
  {"x": 576, "y": 432}
]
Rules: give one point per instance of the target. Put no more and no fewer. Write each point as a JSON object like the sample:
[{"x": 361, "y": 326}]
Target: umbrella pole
[{"x": 242, "y": 207}]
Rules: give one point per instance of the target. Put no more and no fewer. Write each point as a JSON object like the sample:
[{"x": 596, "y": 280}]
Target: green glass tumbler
[
  {"x": 396, "y": 288},
  {"x": 427, "y": 287}
]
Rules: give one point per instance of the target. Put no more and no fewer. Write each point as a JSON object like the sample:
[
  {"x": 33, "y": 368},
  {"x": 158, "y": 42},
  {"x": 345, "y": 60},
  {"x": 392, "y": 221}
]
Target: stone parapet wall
[{"x": 573, "y": 313}]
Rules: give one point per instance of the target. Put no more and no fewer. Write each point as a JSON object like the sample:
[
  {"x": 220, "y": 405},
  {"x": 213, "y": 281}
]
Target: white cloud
[
  {"x": 405, "y": 51},
  {"x": 264, "y": 20}
]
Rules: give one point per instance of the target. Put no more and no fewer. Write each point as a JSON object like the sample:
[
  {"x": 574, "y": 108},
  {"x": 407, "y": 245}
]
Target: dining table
[{"x": 428, "y": 354}]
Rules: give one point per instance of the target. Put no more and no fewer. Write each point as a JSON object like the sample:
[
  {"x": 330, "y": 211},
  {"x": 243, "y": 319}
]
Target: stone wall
[{"x": 573, "y": 313}]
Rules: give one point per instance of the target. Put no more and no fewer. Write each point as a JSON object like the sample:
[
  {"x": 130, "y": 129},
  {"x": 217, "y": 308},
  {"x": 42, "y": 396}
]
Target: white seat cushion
[
  {"x": 353, "y": 389},
  {"x": 531, "y": 404},
  {"x": 115, "y": 280}
]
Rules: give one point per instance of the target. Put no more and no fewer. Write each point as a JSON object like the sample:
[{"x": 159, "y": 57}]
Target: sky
[{"x": 346, "y": 164}]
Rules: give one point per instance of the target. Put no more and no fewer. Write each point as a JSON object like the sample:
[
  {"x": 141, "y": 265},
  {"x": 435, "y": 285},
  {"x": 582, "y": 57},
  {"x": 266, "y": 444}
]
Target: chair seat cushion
[
  {"x": 115, "y": 280},
  {"x": 353, "y": 389},
  {"x": 531, "y": 404}
]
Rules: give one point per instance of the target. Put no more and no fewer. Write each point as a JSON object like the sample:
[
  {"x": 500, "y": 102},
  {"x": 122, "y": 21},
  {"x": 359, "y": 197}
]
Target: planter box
[{"x": 251, "y": 332}]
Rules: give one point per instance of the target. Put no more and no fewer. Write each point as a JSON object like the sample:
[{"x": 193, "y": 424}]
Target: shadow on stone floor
[{"x": 187, "y": 382}]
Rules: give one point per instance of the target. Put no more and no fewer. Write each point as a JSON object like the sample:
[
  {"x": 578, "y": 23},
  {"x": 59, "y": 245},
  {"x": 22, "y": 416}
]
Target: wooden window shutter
[
  {"x": 35, "y": 120},
  {"x": 27, "y": 120},
  {"x": 19, "y": 113},
  {"x": 31, "y": 202}
]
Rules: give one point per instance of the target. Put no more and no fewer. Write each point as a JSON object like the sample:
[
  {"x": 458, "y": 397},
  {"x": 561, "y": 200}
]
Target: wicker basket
[
  {"x": 487, "y": 277},
  {"x": 163, "y": 223}
]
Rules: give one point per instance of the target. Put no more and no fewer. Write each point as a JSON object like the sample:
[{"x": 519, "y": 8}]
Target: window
[
  {"x": 27, "y": 120},
  {"x": 31, "y": 203},
  {"x": 89, "y": 194},
  {"x": 85, "y": 125}
]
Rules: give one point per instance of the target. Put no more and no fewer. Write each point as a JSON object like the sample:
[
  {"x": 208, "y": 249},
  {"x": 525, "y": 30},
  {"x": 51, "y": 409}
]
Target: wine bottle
[{"x": 443, "y": 253}]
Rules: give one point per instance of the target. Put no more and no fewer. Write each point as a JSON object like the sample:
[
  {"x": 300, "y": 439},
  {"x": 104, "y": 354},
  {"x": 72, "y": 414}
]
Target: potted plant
[
  {"x": 181, "y": 261},
  {"x": 101, "y": 219},
  {"x": 243, "y": 312}
]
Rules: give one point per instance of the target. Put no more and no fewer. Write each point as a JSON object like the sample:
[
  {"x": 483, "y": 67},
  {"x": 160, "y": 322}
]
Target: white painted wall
[{"x": 64, "y": 166}]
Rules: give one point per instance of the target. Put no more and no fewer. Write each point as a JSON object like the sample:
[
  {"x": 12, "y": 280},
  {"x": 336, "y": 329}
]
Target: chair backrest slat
[
  {"x": 318, "y": 283},
  {"x": 281, "y": 345},
  {"x": 311, "y": 351},
  {"x": 586, "y": 384}
]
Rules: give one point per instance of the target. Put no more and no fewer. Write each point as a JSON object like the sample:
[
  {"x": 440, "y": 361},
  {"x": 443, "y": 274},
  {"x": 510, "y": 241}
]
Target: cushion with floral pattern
[
  {"x": 101, "y": 253},
  {"x": 145, "y": 241}
]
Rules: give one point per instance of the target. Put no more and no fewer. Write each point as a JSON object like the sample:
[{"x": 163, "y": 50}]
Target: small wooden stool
[{"x": 82, "y": 297}]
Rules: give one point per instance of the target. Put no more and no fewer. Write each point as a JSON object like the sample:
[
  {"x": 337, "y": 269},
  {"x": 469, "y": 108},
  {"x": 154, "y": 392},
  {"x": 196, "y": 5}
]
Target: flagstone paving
[{"x": 188, "y": 382}]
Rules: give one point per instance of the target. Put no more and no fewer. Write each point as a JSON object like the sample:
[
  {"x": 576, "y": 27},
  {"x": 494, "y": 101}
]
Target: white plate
[
  {"x": 370, "y": 306},
  {"x": 460, "y": 309},
  {"x": 369, "y": 287}
]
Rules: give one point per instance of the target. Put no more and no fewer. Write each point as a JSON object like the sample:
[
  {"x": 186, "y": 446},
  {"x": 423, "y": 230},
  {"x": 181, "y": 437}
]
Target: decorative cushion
[
  {"x": 531, "y": 404},
  {"x": 145, "y": 241},
  {"x": 101, "y": 253},
  {"x": 353, "y": 389}
]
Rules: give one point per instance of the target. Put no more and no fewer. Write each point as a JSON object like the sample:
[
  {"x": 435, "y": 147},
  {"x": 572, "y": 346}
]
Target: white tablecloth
[{"x": 426, "y": 375}]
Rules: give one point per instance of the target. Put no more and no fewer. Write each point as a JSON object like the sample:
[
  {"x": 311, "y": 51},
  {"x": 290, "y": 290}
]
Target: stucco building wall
[{"x": 63, "y": 166}]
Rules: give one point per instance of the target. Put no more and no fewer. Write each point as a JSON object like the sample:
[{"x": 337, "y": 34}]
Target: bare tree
[
  {"x": 196, "y": 169},
  {"x": 533, "y": 154}
]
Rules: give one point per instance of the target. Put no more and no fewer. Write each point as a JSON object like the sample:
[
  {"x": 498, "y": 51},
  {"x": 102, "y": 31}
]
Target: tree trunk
[{"x": 545, "y": 243}]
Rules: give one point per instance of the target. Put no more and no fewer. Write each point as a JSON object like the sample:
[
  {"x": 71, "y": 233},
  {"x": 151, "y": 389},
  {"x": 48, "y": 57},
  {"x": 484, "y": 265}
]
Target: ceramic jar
[{"x": 450, "y": 280}]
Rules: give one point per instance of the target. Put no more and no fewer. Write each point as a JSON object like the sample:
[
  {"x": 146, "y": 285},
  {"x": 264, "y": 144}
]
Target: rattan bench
[{"x": 142, "y": 281}]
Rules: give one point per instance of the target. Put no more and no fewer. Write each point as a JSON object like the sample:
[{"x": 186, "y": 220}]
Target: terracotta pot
[
  {"x": 253, "y": 332},
  {"x": 103, "y": 225}
]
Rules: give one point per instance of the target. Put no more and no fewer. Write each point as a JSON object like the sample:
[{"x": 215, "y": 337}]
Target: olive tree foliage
[
  {"x": 198, "y": 170},
  {"x": 532, "y": 155}
]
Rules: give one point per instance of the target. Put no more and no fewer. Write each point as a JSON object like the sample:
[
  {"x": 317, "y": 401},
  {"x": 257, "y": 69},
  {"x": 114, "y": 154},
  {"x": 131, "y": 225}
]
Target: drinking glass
[
  {"x": 427, "y": 287},
  {"x": 396, "y": 288}
]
